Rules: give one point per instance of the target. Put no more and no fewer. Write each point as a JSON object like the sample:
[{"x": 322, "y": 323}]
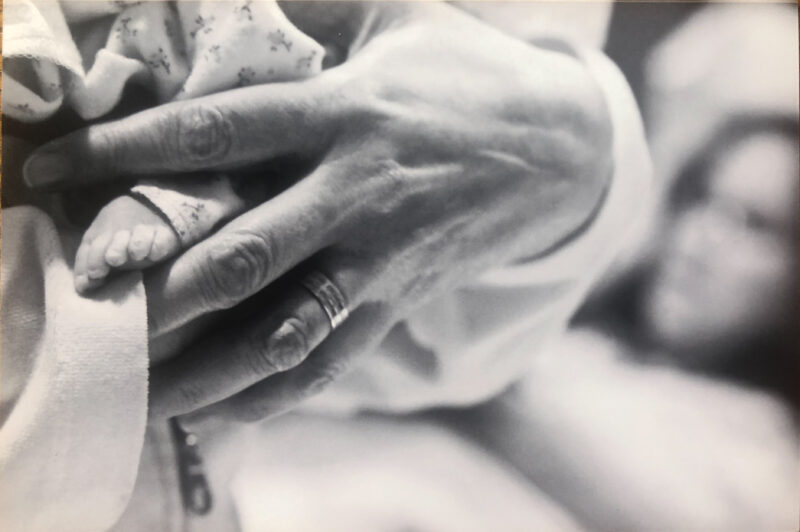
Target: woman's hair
[
  {"x": 618, "y": 308},
  {"x": 692, "y": 181}
]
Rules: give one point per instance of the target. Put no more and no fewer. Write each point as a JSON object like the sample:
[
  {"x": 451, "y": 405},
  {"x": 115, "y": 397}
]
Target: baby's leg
[{"x": 153, "y": 223}]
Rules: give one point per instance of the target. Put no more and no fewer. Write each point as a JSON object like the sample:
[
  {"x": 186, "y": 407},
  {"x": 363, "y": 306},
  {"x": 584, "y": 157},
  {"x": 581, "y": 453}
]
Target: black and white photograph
[{"x": 399, "y": 266}]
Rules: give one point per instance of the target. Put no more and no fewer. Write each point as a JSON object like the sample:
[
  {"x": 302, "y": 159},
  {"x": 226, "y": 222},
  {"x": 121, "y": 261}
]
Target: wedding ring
[{"x": 328, "y": 295}]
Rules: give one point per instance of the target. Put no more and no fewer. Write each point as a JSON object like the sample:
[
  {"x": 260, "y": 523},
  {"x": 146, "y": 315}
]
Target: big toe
[{"x": 96, "y": 265}]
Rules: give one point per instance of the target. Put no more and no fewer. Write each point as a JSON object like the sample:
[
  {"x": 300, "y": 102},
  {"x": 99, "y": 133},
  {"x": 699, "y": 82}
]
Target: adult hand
[{"x": 445, "y": 148}]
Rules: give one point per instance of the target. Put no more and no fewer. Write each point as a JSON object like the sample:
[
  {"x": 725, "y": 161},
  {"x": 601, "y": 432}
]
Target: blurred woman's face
[{"x": 728, "y": 267}]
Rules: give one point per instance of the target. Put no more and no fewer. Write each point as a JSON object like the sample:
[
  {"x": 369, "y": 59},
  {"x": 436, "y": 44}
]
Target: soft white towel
[
  {"x": 73, "y": 399},
  {"x": 83, "y": 54}
]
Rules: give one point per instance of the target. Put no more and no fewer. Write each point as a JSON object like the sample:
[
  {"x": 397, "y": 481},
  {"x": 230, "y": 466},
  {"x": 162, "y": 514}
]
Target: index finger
[{"x": 221, "y": 131}]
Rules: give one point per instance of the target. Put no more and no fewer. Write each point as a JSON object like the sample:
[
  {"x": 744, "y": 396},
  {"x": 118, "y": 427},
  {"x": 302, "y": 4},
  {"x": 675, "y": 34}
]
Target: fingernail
[
  {"x": 47, "y": 167},
  {"x": 287, "y": 345}
]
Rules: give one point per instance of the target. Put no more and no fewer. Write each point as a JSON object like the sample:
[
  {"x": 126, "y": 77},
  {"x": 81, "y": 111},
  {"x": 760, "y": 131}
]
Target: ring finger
[
  {"x": 264, "y": 344},
  {"x": 338, "y": 353}
]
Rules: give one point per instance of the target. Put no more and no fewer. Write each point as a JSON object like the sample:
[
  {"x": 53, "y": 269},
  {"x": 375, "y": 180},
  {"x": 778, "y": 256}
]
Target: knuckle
[
  {"x": 290, "y": 343},
  {"x": 105, "y": 148},
  {"x": 236, "y": 266},
  {"x": 279, "y": 350},
  {"x": 201, "y": 136},
  {"x": 365, "y": 102},
  {"x": 391, "y": 193},
  {"x": 258, "y": 355},
  {"x": 394, "y": 190}
]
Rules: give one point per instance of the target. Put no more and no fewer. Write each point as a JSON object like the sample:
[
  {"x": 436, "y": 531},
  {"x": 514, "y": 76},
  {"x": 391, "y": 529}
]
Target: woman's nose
[
  {"x": 705, "y": 229},
  {"x": 694, "y": 232}
]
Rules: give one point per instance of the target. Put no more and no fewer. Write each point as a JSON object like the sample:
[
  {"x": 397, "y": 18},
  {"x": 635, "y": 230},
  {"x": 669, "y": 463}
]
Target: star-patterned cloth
[{"x": 82, "y": 54}]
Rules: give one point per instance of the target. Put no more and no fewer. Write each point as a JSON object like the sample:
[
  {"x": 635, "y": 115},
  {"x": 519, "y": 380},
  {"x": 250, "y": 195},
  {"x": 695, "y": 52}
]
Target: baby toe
[
  {"x": 141, "y": 242},
  {"x": 96, "y": 266},
  {"x": 165, "y": 243},
  {"x": 117, "y": 252},
  {"x": 81, "y": 275}
]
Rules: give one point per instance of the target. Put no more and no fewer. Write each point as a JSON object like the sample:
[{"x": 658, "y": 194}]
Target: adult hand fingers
[
  {"x": 360, "y": 334},
  {"x": 244, "y": 352},
  {"x": 232, "y": 360},
  {"x": 224, "y": 130},
  {"x": 245, "y": 255}
]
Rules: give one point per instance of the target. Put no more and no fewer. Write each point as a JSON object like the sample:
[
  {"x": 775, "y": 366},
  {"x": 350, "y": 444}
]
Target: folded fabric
[
  {"x": 73, "y": 400},
  {"x": 84, "y": 53}
]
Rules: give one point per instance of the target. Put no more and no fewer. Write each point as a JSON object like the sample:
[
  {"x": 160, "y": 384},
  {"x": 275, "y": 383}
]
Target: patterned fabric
[
  {"x": 192, "y": 207},
  {"x": 180, "y": 50}
]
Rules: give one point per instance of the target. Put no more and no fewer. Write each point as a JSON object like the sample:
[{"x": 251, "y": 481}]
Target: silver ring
[{"x": 328, "y": 295}]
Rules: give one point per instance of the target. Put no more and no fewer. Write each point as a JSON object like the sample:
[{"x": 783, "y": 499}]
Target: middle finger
[{"x": 245, "y": 255}]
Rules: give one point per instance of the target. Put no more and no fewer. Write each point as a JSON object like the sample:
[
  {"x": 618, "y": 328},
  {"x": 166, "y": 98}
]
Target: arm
[
  {"x": 434, "y": 118},
  {"x": 627, "y": 447}
]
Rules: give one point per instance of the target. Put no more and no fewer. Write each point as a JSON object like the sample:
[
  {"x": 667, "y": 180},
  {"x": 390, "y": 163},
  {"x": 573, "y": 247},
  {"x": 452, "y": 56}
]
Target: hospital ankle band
[{"x": 193, "y": 206}]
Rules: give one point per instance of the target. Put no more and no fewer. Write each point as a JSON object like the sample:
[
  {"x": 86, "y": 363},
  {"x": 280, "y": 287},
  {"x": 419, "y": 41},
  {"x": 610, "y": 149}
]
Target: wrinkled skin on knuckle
[
  {"x": 279, "y": 350},
  {"x": 364, "y": 111},
  {"x": 396, "y": 210},
  {"x": 235, "y": 267},
  {"x": 111, "y": 159},
  {"x": 371, "y": 179},
  {"x": 258, "y": 356},
  {"x": 200, "y": 136},
  {"x": 376, "y": 99},
  {"x": 390, "y": 187}
]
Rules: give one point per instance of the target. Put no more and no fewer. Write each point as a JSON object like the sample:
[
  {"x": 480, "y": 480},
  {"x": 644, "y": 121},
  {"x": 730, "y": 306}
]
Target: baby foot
[{"x": 126, "y": 234}]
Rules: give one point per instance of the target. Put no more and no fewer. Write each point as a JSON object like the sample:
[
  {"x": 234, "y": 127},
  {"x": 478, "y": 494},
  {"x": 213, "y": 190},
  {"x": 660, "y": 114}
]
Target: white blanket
[{"x": 73, "y": 398}]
